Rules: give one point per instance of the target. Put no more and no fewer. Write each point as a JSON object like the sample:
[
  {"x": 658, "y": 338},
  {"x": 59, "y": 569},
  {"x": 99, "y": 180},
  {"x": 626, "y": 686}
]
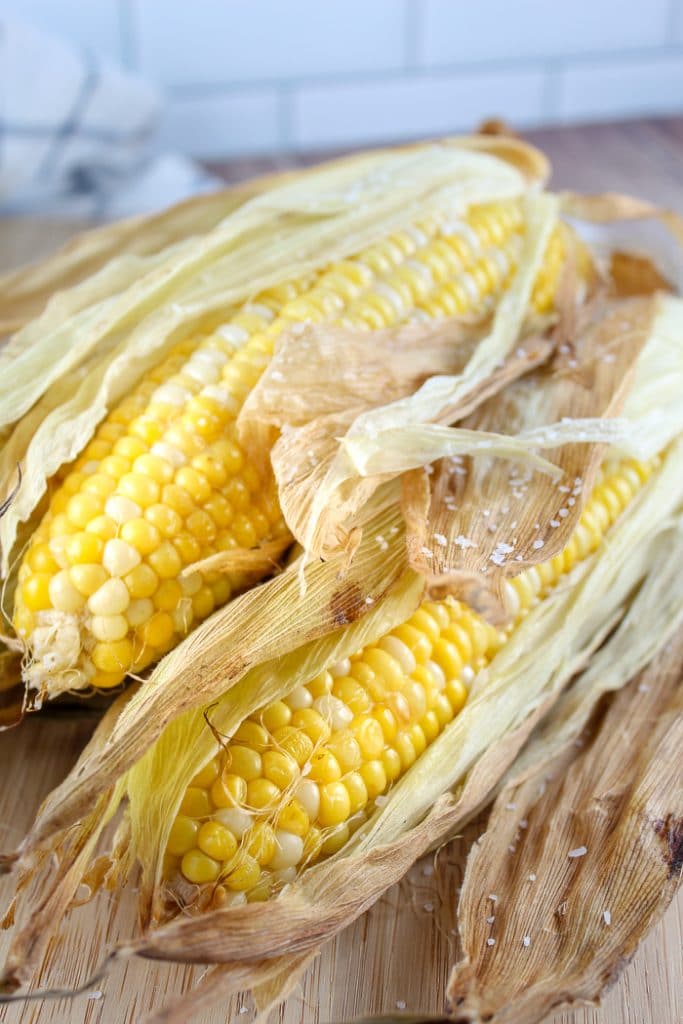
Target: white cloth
[{"x": 78, "y": 133}]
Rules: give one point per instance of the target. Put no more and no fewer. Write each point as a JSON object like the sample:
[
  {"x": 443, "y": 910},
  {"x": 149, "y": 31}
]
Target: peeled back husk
[{"x": 449, "y": 782}]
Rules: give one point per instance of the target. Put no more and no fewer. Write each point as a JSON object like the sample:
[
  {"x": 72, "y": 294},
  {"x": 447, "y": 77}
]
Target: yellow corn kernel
[
  {"x": 183, "y": 836},
  {"x": 229, "y": 790},
  {"x": 260, "y": 842},
  {"x": 293, "y": 742},
  {"x": 199, "y": 868},
  {"x": 206, "y": 775},
  {"x": 216, "y": 841},
  {"x": 280, "y": 768},
  {"x": 167, "y": 595},
  {"x": 375, "y": 777},
  {"x": 346, "y": 748},
  {"x": 293, "y": 818},
  {"x": 244, "y": 876},
  {"x": 357, "y": 791},
  {"x": 141, "y": 534},
  {"x": 368, "y": 733},
  {"x": 141, "y": 581},
  {"x": 335, "y": 804},
  {"x": 244, "y": 762},
  {"x": 324, "y": 767},
  {"x": 196, "y": 803},
  {"x": 83, "y": 548},
  {"x": 250, "y": 734},
  {"x": 312, "y": 723},
  {"x": 116, "y": 656},
  {"x": 36, "y": 592}
]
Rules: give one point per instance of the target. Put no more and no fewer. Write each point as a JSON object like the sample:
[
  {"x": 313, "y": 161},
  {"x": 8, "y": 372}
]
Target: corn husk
[
  {"x": 597, "y": 861},
  {"x": 321, "y": 380},
  {"x": 447, "y": 785},
  {"x": 150, "y": 745},
  {"x": 98, "y": 343},
  {"x": 615, "y": 386},
  {"x": 344, "y": 475}
]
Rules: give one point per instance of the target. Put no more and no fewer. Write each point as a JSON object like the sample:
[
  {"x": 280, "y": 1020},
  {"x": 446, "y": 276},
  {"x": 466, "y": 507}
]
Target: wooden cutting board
[{"x": 396, "y": 957}]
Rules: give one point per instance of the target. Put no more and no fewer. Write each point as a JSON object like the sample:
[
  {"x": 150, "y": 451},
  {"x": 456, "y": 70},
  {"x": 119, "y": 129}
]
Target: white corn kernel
[
  {"x": 182, "y": 615},
  {"x": 234, "y": 818},
  {"x": 289, "y": 850},
  {"x": 222, "y": 396},
  {"x": 467, "y": 675},
  {"x": 340, "y": 668},
  {"x": 335, "y": 711},
  {"x": 201, "y": 371},
  {"x": 298, "y": 698},
  {"x": 471, "y": 287},
  {"x": 511, "y": 599},
  {"x": 120, "y": 557},
  {"x": 389, "y": 293},
  {"x": 232, "y": 333},
  {"x": 111, "y": 598},
  {"x": 108, "y": 627},
  {"x": 121, "y": 509},
  {"x": 213, "y": 356},
  {"x": 139, "y": 611},
  {"x": 308, "y": 795},
  {"x": 63, "y": 594},
  {"x": 259, "y": 310},
  {"x": 400, "y": 652},
  {"x": 170, "y": 453},
  {"x": 438, "y": 674},
  {"x": 171, "y": 394},
  {"x": 191, "y": 583}
]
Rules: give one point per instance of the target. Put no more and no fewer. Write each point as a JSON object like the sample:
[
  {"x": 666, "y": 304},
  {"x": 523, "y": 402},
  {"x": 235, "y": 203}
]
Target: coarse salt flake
[
  {"x": 464, "y": 542},
  {"x": 538, "y": 543},
  {"x": 490, "y": 942},
  {"x": 607, "y": 917},
  {"x": 526, "y": 941},
  {"x": 400, "y": 1004},
  {"x": 580, "y": 851},
  {"x": 440, "y": 539}
]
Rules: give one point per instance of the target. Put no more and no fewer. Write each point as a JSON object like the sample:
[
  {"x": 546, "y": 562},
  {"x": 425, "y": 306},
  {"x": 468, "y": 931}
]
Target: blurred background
[{"x": 232, "y": 80}]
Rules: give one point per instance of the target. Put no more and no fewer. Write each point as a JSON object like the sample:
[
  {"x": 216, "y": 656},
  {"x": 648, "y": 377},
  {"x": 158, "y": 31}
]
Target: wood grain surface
[{"x": 396, "y": 957}]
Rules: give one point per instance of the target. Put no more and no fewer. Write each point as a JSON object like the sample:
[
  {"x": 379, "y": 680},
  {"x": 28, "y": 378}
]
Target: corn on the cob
[
  {"x": 164, "y": 481},
  {"x": 300, "y": 775}
]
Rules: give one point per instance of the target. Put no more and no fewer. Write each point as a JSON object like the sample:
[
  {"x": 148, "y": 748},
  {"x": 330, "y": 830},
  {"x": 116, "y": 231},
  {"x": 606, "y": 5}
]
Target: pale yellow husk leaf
[
  {"x": 456, "y": 774},
  {"x": 97, "y": 344}
]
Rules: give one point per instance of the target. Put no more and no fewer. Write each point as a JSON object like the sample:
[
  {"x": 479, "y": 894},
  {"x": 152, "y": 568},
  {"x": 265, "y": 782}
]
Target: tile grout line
[
  {"x": 127, "y": 34},
  {"x": 475, "y": 68}
]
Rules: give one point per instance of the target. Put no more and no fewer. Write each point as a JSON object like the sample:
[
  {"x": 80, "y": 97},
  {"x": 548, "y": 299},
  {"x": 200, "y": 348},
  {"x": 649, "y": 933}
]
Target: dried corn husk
[
  {"x": 213, "y": 674},
  {"x": 597, "y": 861},
  {"x": 95, "y": 341},
  {"x": 450, "y": 781},
  {"x": 322, "y": 379},
  {"x": 471, "y": 519},
  {"x": 346, "y": 474}
]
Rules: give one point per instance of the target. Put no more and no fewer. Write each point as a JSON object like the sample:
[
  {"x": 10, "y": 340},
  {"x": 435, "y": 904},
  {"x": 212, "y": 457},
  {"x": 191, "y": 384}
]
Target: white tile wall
[
  {"x": 513, "y": 29},
  {"x": 333, "y": 115},
  {"x": 628, "y": 88},
  {"x": 224, "y": 125},
  {"x": 246, "y": 40},
  {"x": 252, "y": 76}
]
